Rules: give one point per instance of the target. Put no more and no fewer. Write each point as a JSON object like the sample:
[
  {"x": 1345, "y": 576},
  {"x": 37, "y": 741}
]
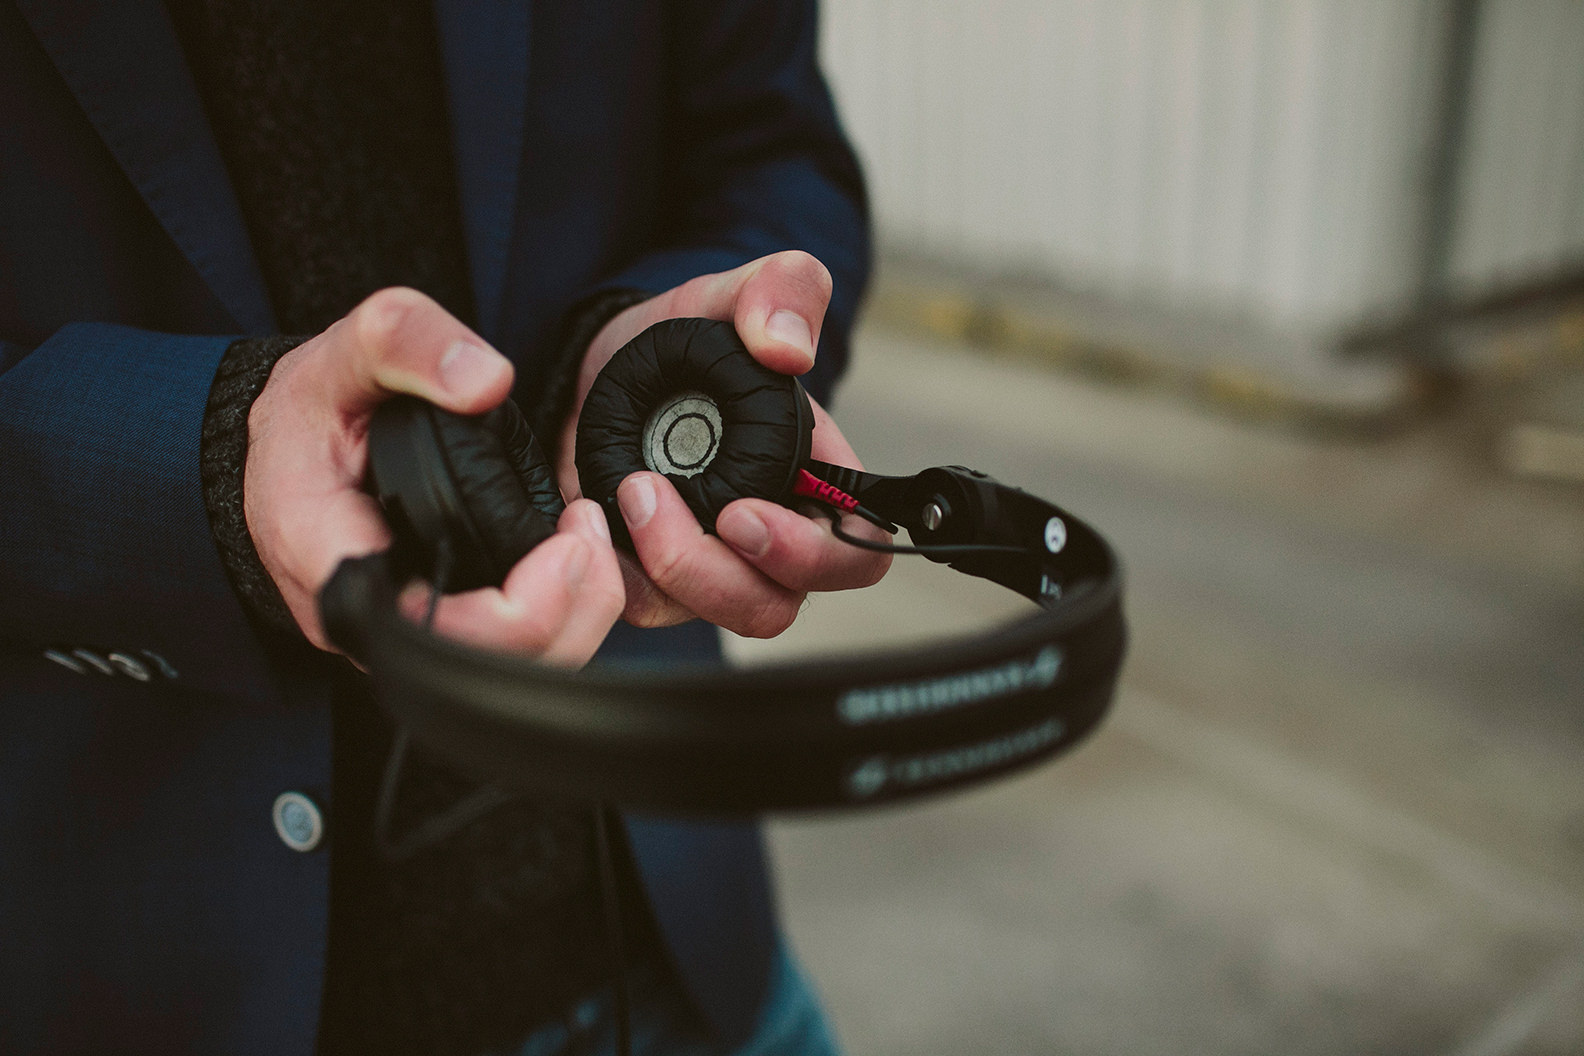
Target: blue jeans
[{"x": 791, "y": 1023}]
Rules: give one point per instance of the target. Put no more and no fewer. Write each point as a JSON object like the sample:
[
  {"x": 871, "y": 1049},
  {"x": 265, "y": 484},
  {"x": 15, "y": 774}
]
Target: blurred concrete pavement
[{"x": 1339, "y": 805}]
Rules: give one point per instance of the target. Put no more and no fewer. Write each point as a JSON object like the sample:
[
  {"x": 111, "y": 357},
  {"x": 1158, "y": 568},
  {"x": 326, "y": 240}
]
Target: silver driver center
[{"x": 682, "y": 435}]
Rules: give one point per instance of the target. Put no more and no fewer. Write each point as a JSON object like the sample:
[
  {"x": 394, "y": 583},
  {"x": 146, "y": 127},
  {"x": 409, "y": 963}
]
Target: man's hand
[
  {"x": 307, "y": 452},
  {"x": 754, "y": 577}
]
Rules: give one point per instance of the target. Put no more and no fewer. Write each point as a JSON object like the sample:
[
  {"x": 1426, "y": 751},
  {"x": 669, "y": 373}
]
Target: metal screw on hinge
[{"x": 934, "y": 514}]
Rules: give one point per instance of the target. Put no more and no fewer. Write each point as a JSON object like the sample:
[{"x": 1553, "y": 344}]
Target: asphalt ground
[{"x": 1339, "y": 804}]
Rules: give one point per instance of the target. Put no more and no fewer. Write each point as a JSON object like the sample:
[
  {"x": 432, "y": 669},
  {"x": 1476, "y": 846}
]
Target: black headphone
[{"x": 467, "y": 497}]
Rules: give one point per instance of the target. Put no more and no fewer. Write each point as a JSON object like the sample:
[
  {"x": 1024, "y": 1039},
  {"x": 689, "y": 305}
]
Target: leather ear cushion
[
  {"x": 767, "y": 425},
  {"x": 506, "y": 486}
]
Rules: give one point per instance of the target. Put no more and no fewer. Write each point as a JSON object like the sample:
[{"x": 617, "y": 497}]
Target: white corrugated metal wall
[
  {"x": 1521, "y": 210},
  {"x": 1262, "y": 157}
]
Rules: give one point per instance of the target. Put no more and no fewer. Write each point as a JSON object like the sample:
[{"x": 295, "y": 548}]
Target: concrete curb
[{"x": 1002, "y": 326}]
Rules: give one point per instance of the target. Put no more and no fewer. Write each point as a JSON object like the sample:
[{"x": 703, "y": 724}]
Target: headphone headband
[{"x": 835, "y": 732}]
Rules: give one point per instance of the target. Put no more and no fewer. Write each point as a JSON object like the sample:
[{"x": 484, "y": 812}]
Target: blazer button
[{"x": 298, "y": 822}]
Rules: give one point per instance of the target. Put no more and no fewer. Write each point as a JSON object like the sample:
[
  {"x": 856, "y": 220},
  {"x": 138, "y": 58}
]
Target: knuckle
[
  {"x": 668, "y": 566},
  {"x": 875, "y": 570},
  {"x": 701, "y": 290},
  {"x": 807, "y": 271},
  {"x": 771, "y": 618},
  {"x": 643, "y": 604},
  {"x": 652, "y": 611},
  {"x": 534, "y": 629},
  {"x": 642, "y": 615},
  {"x": 383, "y": 314}
]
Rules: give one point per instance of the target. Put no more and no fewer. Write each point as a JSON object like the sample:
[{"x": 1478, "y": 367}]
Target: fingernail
[
  {"x": 467, "y": 368},
  {"x": 636, "y": 497},
  {"x": 414, "y": 600},
  {"x": 576, "y": 564},
  {"x": 597, "y": 523},
  {"x": 792, "y": 329},
  {"x": 746, "y": 531}
]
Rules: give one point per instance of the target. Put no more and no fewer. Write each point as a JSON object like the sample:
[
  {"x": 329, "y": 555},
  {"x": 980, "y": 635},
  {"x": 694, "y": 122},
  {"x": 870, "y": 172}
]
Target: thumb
[
  {"x": 779, "y": 309},
  {"x": 777, "y": 303},
  {"x": 400, "y": 340}
]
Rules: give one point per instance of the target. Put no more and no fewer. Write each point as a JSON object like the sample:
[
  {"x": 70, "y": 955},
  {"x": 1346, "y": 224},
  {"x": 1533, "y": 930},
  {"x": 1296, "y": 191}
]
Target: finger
[
  {"x": 399, "y": 340},
  {"x": 600, "y": 597},
  {"x": 699, "y": 570},
  {"x": 777, "y": 304},
  {"x": 524, "y": 615},
  {"x": 779, "y": 309},
  {"x": 800, "y": 552},
  {"x": 556, "y": 605},
  {"x": 648, "y": 605}
]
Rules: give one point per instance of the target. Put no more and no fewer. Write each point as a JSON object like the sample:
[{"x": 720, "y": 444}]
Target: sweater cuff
[
  {"x": 582, "y": 324},
  {"x": 222, "y": 458}
]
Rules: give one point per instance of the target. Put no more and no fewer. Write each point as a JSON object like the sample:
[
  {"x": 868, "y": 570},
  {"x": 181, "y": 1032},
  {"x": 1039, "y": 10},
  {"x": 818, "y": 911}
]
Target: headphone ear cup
[
  {"x": 506, "y": 483},
  {"x": 480, "y": 483},
  {"x": 687, "y": 399}
]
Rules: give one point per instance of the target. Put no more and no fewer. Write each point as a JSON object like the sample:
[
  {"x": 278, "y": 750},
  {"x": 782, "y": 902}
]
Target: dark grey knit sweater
[{"x": 330, "y": 116}]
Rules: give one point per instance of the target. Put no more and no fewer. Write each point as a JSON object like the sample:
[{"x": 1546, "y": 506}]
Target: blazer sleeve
[
  {"x": 755, "y": 161},
  {"x": 104, "y": 422}
]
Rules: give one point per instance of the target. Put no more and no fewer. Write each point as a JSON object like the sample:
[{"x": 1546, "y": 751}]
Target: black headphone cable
[
  {"x": 937, "y": 550},
  {"x": 467, "y": 810}
]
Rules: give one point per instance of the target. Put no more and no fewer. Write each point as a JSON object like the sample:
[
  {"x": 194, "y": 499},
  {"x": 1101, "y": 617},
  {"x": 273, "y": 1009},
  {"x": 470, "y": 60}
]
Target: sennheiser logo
[
  {"x": 876, "y": 773},
  {"x": 902, "y": 700}
]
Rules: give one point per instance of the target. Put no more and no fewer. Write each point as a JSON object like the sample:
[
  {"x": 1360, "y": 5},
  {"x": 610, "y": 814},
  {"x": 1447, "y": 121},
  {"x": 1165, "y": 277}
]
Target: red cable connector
[{"x": 809, "y": 486}]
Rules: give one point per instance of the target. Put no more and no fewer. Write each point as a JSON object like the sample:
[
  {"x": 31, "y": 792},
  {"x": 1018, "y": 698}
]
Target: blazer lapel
[
  {"x": 484, "y": 49},
  {"x": 122, "y": 61}
]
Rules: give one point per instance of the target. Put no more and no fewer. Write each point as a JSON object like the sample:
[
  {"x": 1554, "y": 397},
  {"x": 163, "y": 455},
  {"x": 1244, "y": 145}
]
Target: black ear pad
[
  {"x": 482, "y": 483},
  {"x": 687, "y": 399}
]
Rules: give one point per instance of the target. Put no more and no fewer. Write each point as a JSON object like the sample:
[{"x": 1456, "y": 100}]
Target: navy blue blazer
[{"x": 146, "y": 903}]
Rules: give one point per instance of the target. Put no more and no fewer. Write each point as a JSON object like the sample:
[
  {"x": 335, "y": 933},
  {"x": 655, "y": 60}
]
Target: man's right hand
[{"x": 308, "y": 455}]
